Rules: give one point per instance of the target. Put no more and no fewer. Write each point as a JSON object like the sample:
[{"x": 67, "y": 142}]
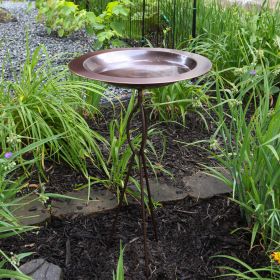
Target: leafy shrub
[
  {"x": 65, "y": 17},
  {"x": 107, "y": 25},
  {"x": 42, "y": 102}
]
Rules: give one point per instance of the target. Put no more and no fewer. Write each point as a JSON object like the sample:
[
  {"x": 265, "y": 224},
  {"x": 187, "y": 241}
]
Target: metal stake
[{"x": 143, "y": 173}]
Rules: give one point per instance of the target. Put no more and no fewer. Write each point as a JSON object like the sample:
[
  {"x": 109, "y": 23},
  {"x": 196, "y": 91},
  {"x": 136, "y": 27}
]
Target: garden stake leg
[
  {"x": 143, "y": 212},
  {"x": 144, "y": 140},
  {"x": 151, "y": 206},
  {"x": 142, "y": 173},
  {"x": 141, "y": 157}
]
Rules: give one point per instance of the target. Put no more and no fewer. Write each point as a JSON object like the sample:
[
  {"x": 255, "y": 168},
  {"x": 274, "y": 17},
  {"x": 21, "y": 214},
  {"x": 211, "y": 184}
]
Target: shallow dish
[{"x": 140, "y": 67}]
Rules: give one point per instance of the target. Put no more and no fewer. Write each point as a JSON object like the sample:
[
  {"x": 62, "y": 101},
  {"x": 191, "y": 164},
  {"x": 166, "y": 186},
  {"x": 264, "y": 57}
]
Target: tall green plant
[
  {"x": 247, "y": 145},
  {"x": 120, "y": 267},
  {"x": 41, "y": 102},
  {"x": 174, "y": 102},
  {"x": 115, "y": 166},
  {"x": 229, "y": 35}
]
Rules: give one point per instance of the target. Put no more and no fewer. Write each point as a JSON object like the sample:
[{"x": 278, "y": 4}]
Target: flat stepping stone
[
  {"x": 31, "y": 212},
  {"x": 201, "y": 185},
  {"x": 40, "y": 269},
  {"x": 6, "y": 16},
  {"x": 163, "y": 192},
  {"x": 100, "y": 201}
]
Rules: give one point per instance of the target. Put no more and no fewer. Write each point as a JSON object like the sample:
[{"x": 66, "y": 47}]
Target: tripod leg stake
[{"x": 143, "y": 175}]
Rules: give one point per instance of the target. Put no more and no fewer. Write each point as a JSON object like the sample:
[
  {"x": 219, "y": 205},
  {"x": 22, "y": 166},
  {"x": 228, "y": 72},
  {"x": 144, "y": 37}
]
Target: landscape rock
[
  {"x": 163, "y": 192},
  {"x": 202, "y": 185},
  {"x": 31, "y": 211},
  {"x": 100, "y": 201},
  {"x": 40, "y": 269},
  {"x": 6, "y": 16}
]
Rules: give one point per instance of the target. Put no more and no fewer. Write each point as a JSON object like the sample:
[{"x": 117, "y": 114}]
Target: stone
[
  {"x": 201, "y": 185},
  {"x": 163, "y": 192},
  {"x": 100, "y": 200},
  {"x": 40, "y": 269},
  {"x": 31, "y": 211},
  {"x": 6, "y": 16}
]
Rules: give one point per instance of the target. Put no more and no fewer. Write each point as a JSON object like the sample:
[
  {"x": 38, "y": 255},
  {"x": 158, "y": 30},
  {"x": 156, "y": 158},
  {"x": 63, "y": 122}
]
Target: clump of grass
[
  {"x": 246, "y": 143},
  {"x": 271, "y": 272},
  {"x": 174, "y": 102},
  {"x": 229, "y": 35},
  {"x": 43, "y": 101}
]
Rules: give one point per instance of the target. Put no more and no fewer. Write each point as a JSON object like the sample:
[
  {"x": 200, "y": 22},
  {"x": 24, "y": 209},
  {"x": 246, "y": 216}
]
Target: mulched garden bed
[{"x": 190, "y": 233}]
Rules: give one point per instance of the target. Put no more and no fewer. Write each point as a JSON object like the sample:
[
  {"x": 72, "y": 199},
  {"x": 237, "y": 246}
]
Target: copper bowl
[{"x": 140, "y": 67}]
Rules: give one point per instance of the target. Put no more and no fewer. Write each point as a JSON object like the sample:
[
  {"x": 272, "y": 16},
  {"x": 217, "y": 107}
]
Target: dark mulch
[{"x": 190, "y": 232}]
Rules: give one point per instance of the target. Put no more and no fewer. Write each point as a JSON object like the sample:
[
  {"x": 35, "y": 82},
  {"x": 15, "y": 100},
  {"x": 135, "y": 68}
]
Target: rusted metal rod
[{"x": 143, "y": 174}]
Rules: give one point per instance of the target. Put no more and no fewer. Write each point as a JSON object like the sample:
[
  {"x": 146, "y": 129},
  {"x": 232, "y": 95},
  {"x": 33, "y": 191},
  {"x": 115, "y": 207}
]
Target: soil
[{"x": 190, "y": 233}]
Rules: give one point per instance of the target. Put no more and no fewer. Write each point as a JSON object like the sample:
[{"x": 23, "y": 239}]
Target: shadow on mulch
[{"x": 190, "y": 232}]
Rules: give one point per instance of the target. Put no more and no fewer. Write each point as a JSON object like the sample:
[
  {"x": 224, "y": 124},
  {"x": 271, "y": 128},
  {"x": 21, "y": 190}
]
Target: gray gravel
[
  {"x": 13, "y": 36},
  {"x": 13, "y": 41}
]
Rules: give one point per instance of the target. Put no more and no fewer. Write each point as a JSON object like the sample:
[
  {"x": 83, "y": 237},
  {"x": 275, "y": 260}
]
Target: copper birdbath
[{"x": 140, "y": 68}]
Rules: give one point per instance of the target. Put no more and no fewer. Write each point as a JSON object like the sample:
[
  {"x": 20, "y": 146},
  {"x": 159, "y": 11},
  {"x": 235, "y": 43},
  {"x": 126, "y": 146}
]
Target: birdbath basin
[{"x": 140, "y": 67}]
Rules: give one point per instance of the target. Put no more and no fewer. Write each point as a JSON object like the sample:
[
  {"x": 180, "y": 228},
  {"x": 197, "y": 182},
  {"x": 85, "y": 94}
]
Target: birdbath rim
[{"x": 140, "y": 67}]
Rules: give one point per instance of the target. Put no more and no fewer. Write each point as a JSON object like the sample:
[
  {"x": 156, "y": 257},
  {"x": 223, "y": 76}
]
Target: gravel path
[
  {"x": 13, "y": 36},
  {"x": 13, "y": 41}
]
